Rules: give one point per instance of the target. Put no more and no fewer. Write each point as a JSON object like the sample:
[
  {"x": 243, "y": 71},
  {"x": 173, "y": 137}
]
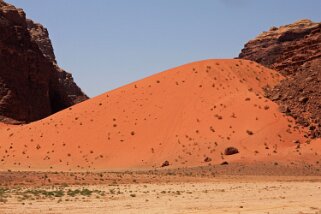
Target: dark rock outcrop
[
  {"x": 32, "y": 86},
  {"x": 286, "y": 48},
  {"x": 295, "y": 51},
  {"x": 40, "y": 35}
]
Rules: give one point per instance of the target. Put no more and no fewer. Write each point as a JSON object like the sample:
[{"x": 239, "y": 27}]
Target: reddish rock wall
[
  {"x": 32, "y": 86},
  {"x": 295, "y": 51}
]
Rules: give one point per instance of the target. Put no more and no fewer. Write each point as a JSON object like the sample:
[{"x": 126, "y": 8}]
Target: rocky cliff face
[
  {"x": 40, "y": 36},
  {"x": 32, "y": 86},
  {"x": 295, "y": 51}
]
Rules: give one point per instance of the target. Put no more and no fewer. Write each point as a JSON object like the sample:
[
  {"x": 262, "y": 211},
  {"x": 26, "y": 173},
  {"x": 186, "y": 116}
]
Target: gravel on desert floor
[{"x": 220, "y": 195}]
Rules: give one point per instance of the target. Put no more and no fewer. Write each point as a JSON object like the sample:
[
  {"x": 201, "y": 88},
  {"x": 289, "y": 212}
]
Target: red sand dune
[{"x": 181, "y": 115}]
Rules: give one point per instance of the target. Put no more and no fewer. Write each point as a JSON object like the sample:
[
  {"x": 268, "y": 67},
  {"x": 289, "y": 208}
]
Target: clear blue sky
[{"x": 108, "y": 43}]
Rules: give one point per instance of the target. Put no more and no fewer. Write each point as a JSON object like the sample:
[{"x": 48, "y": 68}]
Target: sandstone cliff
[
  {"x": 32, "y": 86},
  {"x": 295, "y": 51}
]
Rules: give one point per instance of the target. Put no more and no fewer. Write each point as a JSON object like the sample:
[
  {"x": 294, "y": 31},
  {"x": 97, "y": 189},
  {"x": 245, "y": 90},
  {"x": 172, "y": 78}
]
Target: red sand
[{"x": 181, "y": 115}]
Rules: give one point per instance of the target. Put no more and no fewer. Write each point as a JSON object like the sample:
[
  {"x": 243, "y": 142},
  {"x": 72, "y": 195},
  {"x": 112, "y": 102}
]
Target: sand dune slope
[{"x": 187, "y": 116}]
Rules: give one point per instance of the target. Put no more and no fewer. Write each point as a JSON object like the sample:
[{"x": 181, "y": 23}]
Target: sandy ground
[
  {"x": 238, "y": 194},
  {"x": 188, "y": 116}
]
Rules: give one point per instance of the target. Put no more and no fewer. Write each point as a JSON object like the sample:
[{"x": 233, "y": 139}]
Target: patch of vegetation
[
  {"x": 34, "y": 194},
  {"x": 3, "y": 195},
  {"x": 84, "y": 192},
  {"x": 45, "y": 193}
]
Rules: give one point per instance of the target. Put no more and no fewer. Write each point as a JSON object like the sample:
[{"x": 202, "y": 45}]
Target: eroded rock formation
[
  {"x": 32, "y": 86},
  {"x": 295, "y": 51}
]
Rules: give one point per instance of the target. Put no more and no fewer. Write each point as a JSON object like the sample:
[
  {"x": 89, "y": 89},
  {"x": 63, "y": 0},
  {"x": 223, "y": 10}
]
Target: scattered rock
[
  {"x": 249, "y": 132},
  {"x": 231, "y": 151},
  {"x": 302, "y": 121},
  {"x": 224, "y": 163},
  {"x": 276, "y": 97},
  {"x": 303, "y": 99},
  {"x": 207, "y": 159},
  {"x": 166, "y": 163},
  {"x": 284, "y": 109},
  {"x": 296, "y": 142},
  {"x": 308, "y": 79},
  {"x": 312, "y": 127}
]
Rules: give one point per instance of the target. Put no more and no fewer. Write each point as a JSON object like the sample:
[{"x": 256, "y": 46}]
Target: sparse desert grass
[
  {"x": 3, "y": 195},
  {"x": 34, "y": 193},
  {"x": 202, "y": 197}
]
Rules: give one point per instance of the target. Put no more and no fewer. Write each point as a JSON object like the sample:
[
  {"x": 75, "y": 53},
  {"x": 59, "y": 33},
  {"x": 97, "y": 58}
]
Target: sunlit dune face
[{"x": 186, "y": 116}]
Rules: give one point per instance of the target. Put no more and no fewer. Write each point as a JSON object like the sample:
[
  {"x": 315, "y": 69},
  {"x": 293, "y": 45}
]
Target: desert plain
[
  {"x": 212, "y": 136},
  {"x": 165, "y": 191},
  {"x": 220, "y": 148}
]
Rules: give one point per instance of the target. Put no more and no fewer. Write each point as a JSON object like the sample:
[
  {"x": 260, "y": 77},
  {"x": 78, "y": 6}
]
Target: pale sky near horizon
[{"x": 108, "y": 43}]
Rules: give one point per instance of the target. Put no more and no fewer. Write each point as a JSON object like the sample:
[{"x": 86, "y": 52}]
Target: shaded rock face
[
  {"x": 40, "y": 35},
  {"x": 295, "y": 51},
  {"x": 32, "y": 86}
]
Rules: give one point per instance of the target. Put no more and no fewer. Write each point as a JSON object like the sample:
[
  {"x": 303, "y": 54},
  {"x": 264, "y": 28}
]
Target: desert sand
[
  {"x": 186, "y": 116},
  {"x": 229, "y": 194},
  {"x": 213, "y": 136},
  {"x": 159, "y": 145}
]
